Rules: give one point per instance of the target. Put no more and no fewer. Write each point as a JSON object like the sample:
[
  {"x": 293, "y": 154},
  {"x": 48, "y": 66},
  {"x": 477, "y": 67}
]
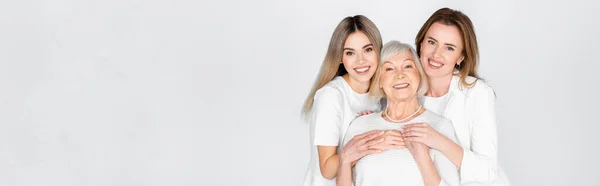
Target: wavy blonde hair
[{"x": 331, "y": 67}]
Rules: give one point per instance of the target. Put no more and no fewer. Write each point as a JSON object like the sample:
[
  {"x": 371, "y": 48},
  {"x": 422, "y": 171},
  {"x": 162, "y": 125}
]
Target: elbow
[{"x": 328, "y": 176}]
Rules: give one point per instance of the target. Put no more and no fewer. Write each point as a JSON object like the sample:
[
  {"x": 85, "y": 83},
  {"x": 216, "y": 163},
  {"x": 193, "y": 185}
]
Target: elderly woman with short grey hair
[{"x": 400, "y": 80}]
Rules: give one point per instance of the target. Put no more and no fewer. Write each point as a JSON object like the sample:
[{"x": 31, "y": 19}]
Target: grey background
[{"x": 132, "y": 92}]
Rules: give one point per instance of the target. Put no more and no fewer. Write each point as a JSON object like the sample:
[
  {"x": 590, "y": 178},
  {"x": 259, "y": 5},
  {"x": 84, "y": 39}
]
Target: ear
[{"x": 460, "y": 59}]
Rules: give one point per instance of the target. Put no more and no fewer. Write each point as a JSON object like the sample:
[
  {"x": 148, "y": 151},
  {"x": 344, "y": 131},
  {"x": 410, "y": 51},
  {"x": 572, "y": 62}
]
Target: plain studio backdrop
[{"x": 151, "y": 92}]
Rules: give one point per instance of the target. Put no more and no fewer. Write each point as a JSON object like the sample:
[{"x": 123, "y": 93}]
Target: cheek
[
  {"x": 384, "y": 79},
  {"x": 347, "y": 59},
  {"x": 414, "y": 76},
  {"x": 372, "y": 58},
  {"x": 426, "y": 49}
]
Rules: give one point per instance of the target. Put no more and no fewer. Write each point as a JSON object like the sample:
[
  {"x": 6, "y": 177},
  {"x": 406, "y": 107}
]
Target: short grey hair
[{"x": 390, "y": 49}]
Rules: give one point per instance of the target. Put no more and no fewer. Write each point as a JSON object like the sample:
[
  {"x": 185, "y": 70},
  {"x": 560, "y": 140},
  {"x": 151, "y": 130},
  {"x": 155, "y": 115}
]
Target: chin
[{"x": 363, "y": 78}]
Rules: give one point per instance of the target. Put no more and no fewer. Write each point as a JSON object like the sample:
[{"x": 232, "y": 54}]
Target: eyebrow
[
  {"x": 367, "y": 45},
  {"x": 450, "y": 44}
]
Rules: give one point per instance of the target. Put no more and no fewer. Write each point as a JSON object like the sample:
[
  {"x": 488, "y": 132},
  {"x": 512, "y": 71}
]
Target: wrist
[
  {"x": 423, "y": 157},
  {"x": 344, "y": 161}
]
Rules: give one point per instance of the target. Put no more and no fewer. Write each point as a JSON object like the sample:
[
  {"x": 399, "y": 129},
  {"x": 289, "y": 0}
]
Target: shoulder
[
  {"x": 360, "y": 125},
  {"x": 332, "y": 89},
  {"x": 480, "y": 87},
  {"x": 362, "y": 122},
  {"x": 439, "y": 123},
  {"x": 435, "y": 120}
]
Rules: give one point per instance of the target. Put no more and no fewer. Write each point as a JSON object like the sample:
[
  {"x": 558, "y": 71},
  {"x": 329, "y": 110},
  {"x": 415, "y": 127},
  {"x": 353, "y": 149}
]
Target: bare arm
[
  {"x": 344, "y": 174},
  {"x": 328, "y": 161}
]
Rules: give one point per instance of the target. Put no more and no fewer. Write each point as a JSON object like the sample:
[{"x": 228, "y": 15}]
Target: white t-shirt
[
  {"x": 397, "y": 166},
  {"x": 436, "y": 105},
  {"x": 335, "y": 106}
]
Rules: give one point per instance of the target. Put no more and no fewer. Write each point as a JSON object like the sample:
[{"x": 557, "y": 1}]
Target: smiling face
[
  {"x": 441, "y": 50},
  {"x": 400, "y": 77},
  {"x": 359, "y": 57}
]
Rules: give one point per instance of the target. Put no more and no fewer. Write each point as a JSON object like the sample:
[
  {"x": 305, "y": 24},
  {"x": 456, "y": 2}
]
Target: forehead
[
  {"x": 357, "y": 38},
  {"x": 400, "y": 57},
  {"x": 445, "y": 33}
]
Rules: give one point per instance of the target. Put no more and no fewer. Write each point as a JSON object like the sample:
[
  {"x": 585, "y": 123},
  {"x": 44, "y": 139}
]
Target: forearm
[
  {"x": 428, "y": 171},
  {"x": 454, "y": 152},
  {"x": 329, "y": 169},
  {"x": 344, "y": 176}
]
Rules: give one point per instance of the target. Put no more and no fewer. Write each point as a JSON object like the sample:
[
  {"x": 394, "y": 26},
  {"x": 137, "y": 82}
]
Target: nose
[
  {"x": 399, "y": 74},
  {"x": 436, "y": 52},
  {"x": 361, "y": 58}
]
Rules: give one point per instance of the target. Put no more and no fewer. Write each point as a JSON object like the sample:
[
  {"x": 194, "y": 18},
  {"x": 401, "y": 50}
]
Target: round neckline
[
  {"x": 350, "y": 87},
  {"x": 380, "y": 117},
  {"x": 438, "y": 98}
]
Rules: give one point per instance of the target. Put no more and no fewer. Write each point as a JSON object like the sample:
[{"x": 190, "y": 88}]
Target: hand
[
  {"x": 418, "y": 149},
  {"x": 424, "y": 133},
  {"x": 392, "y": 140},
  {"x": 360, "y": 146},
  {"x": 365, "y": 113}
]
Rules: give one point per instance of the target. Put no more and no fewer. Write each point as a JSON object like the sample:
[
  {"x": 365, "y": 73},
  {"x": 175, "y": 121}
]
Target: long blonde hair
[
  {"x": 450, "y": 17},
  {"x": 331, "y": 66}
]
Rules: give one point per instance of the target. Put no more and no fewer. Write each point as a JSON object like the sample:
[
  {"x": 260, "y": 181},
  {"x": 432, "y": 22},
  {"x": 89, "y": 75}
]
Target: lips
[
  {"x": 362, "y": 70},
  {"x": 400, "y": 85},
  {"x": 435, "y": 64}
]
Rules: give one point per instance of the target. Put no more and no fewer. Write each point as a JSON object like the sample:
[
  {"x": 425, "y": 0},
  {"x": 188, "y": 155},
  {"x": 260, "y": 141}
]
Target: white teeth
[
  {"x": 401, "y": 85},
  {"x": 364, "y": 69},
  {"x": 435, "y": 64}
]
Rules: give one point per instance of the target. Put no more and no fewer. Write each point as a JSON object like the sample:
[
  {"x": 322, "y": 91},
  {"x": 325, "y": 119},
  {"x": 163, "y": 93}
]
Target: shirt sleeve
[
  {"x": 327, "y": 117},
  {"x": 480, "y": 163}
]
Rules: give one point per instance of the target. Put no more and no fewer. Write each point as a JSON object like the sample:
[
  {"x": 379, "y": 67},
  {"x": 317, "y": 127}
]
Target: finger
[
  {"x": 413, "y": 134},
  {"x": 415, "y": 125},
  {"x": 398, "y": 146},
  {"x": 394, "y": 139},
  {"x": 363, "y": 135},
  {"x": 371, "y": 136},
  {"x": 370, "y": 112},
  {"x": 373, "y": 143},
  {"x": 417, "y": 129},
  {"x": 393, "y": 133},
  {"x": 409, "y": 140},
  {"x": 369, "y": 152}
]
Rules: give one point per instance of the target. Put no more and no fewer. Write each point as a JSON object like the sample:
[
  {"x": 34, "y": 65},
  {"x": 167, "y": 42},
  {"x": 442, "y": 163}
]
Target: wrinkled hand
[
  {"x": 424, "y": 133},
  {"x": 365, "y": 113},
  {"x": 392, "y": 140},
  {"x": 360, "y": 146}
]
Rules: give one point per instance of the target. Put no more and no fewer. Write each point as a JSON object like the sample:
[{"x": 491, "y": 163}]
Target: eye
[
  {"x": 349, "y": 53},
  {"x": 431, "y": 42},
  {"x": 408, "y": 66},
  {"x": 369, "y": 50},
  {"x": 389, "y": 69},
  {"x": 450, "y": 49}
]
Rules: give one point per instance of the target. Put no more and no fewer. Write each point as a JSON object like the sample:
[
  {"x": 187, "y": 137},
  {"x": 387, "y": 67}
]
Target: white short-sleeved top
[{"x": 335, "y": 106}]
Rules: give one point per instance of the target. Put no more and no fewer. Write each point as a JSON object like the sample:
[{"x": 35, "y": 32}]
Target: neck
[
  {"x": 357, "y": 86},
  {"x": 439, "y": 86},
  {"x": 401, "y": 109}
]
